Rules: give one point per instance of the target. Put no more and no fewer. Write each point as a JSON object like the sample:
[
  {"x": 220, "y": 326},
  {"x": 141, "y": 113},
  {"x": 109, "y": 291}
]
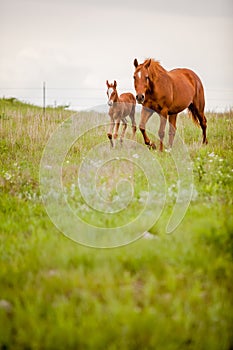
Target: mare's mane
[{"x": 155, "y": 68}]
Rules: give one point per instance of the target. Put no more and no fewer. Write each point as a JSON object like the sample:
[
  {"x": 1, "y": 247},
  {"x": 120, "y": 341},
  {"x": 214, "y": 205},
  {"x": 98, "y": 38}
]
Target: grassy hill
[{"x": 164, "y": 291}]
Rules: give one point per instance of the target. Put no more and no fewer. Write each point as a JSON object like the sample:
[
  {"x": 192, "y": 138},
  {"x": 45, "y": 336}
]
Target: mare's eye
[{"x": 147, "y": 78}]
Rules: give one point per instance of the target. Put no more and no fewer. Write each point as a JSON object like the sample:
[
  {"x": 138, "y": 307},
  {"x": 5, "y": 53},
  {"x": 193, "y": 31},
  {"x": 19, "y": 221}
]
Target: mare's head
[
  {"x": 111, "y": 92},
  {"x": 141, "y": 79}
]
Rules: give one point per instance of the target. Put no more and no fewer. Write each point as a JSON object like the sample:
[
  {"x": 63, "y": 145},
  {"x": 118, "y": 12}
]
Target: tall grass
[{"x": 161, "y": 292}]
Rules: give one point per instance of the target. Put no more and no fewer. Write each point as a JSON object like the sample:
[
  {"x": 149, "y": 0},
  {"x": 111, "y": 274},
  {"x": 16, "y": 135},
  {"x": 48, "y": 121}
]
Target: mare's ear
[
  {"x": 147, "y": 63},
  {"x": 115, "y": 84},
  {"x": 135, "y": 62},
  {"x": 107, "y": 83}
]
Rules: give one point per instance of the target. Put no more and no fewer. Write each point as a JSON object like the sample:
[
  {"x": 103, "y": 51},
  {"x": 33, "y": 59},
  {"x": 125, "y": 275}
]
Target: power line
[{"x": 93, "y": 95}]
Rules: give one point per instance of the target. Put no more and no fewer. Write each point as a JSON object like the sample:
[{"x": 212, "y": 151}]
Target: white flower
[
  {"x": 7, "y": 176},
  {"x": 148, "y": 235},
  {"x": 47, "y": 166},
  {"x": 212, "y": 154}
]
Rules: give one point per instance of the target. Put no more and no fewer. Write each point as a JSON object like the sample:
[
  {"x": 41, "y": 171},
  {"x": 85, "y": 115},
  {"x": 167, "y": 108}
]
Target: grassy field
[{"x": 163, "y": 291}]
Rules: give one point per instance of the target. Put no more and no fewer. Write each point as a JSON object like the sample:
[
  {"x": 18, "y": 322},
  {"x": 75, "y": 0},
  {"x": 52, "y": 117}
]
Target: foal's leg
[
  {"x": 117, "y": 125},
  {"x": 134, "y": 126},
  {"x": 172, "y": 128},
  {"x": 145, "y": 115},
  {"x": 163, "y": 121},
  {"x": 111, "y": 131},
  {"x": 124, "y": 127},
  {"x": 134, "y": 129}
]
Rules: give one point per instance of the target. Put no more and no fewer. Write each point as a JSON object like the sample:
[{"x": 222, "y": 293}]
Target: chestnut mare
[
  {"x": 168, "y": 93},
  {"x": 120, "y": 107}
]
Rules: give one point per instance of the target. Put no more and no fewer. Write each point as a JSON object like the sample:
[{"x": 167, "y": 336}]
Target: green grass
[{"x": 166, "y": 292}]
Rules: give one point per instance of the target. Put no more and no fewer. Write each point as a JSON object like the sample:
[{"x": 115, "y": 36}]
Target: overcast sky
[{"x": 74, "y": 46}]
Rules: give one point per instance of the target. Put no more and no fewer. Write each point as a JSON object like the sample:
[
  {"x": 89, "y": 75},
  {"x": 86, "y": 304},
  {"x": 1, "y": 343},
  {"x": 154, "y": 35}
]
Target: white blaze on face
[
  {"x": 139, "y": 74},
  {"x": 110, "y": 91}
]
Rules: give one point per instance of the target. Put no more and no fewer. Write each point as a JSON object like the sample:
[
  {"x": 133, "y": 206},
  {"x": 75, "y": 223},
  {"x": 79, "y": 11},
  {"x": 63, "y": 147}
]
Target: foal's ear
[
  {"x": 107, "y": 83},
  {"x": 135, "y": 62},
  {"x": 115, "y": 84},
  {"x": 147, "y": 63}
]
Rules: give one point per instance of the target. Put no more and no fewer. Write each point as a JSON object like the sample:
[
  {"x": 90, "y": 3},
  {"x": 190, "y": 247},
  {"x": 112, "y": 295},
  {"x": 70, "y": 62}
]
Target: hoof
[
  {"x": 152, "y": 145},
  {"x": 110, "y": 139}
]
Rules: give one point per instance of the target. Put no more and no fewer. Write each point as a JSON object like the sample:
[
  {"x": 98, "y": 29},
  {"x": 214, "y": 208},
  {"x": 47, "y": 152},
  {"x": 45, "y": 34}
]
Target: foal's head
[
  {"x": 111, "y": 92},
  {"x": 141, "y": 79}
]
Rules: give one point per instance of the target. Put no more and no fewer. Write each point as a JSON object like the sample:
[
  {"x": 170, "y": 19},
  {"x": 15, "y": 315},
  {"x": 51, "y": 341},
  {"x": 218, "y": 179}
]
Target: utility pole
[{"x": 44, "y": 97}]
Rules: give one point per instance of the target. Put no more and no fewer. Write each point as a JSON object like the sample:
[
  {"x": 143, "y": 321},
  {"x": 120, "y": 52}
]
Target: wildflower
[
  {"x": 7, "y": 176},
  {"x": 135, "y": 155},
  {"x": 212, "y": 154}
]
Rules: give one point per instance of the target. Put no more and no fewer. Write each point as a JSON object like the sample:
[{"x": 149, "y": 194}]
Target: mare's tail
[{"x": 193, "y": 113}]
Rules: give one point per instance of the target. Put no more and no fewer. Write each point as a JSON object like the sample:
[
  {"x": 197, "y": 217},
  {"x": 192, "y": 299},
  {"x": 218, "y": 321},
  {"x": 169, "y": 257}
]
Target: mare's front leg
[
  {"x": 145, "y": 115},
  {"x": 111, "y": 130},
  {"x": 172, "y": 128},
  {"x": 163, "y": 121}
]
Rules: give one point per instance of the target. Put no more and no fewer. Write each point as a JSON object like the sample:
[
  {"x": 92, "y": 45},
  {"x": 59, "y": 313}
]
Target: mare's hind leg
[
  {"x": 172, "y": 128},
  {"x": 203, "y": 123},
  {"x": 124, "y": 127},
  {"x": 197, "y": 111}
]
